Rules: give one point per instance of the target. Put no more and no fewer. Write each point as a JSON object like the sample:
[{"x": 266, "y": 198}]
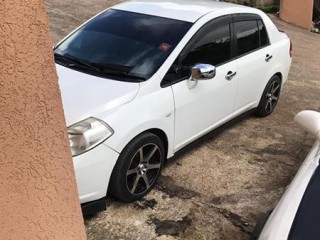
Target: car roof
[{"x": 184, "y": 10}]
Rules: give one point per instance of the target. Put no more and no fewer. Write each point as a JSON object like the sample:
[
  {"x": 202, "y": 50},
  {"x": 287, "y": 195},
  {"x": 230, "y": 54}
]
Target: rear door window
[
  {"x": 250, "y": 35},
  {"x": 264, "y": 39},
  {"x": 247, "y": 35}
]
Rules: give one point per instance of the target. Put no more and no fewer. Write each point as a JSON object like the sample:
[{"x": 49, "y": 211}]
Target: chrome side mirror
[
  {"x": 309, "y": 121},
  {"x": 202, "y": 72}
]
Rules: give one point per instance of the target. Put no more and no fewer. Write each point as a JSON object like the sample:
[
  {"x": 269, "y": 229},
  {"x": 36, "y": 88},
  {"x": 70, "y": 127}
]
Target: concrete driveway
[{"x": 218, "y": 186}]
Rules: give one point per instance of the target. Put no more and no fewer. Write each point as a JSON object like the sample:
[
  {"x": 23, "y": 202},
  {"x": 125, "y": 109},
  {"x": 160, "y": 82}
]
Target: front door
[{"x": 200, "y": 105}]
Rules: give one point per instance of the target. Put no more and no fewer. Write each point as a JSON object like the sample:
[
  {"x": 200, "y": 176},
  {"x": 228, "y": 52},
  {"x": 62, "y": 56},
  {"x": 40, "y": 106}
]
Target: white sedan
[
  {"x": 143, "y": 79},
  {"x": 297, "y": 215}
]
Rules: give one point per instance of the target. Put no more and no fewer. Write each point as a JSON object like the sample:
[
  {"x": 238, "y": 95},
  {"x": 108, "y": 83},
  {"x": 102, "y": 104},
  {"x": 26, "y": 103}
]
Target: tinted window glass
[
  {"x": 264, "y": 40},
  {"x": 214, "y": 48},
  {"x": 125, "y": 42},
  {"x": 247, "y": 34}
]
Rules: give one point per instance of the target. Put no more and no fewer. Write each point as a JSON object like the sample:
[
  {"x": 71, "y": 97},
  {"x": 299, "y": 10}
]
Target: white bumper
[{"x": 93, "y": 170}]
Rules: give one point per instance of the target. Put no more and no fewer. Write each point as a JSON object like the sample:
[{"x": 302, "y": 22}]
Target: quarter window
[{"x": 247, "y": 34}]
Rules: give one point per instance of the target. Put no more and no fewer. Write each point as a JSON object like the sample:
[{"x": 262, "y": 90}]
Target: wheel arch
[
  {"x": 279, "y": 74},
  {"x": 163, "y": 137},
  {"x": 274, "y": 72},
  {"x": 163, "y": 131},
  {"x": 266, "y": 100}
]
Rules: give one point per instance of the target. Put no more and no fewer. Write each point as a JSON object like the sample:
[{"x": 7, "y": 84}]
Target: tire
[
  {"x": 138, "y": 168},
  {"x": 270, "y": 97}
]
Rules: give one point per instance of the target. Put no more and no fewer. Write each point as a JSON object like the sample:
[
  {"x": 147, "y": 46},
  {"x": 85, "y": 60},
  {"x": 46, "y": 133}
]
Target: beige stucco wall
[
  {"x": 38, "y": 197},
  {"x": 297, "y": 12}
]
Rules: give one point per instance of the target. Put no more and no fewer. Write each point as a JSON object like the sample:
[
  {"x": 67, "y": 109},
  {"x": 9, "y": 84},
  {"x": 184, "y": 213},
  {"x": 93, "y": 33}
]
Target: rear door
[{"x": 254, "y": 58}]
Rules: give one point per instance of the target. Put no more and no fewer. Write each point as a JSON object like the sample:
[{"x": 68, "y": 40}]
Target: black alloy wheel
[
  {"x": 143, "y": 169},
  {"x": 270, "y": 97},
  {"x": 138, "y": 168}
]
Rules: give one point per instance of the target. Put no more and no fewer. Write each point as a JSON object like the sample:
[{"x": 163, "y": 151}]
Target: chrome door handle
[
  {"x": 230, "y": 75},
  {"x": 268, "y": 57}
]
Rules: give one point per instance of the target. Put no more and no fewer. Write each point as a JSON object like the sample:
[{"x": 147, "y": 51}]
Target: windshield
[{"x": 122, "y": 44}]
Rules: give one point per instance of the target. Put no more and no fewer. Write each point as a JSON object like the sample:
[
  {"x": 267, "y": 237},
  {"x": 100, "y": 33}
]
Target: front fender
[{"x": 151, "y": 111}]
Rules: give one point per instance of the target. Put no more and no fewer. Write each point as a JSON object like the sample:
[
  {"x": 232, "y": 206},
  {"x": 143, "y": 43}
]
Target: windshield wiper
[
  {"x": 102, "y": 69},
  {"x": 123, "y": 75},
  {"x": 118, "y": 70},
  {"x": 75, "y": 62}
]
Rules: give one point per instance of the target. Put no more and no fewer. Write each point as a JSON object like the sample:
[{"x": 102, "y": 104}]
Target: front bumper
[{"x": 93, "y": 171}]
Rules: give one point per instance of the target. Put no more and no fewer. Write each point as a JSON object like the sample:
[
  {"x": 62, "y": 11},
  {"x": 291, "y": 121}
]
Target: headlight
[{"x": 87, "y": 134}]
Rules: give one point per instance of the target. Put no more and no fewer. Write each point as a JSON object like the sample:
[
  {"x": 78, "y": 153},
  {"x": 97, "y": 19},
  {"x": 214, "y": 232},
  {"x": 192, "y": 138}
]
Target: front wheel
[
  {"x": 270, "y": 97},
  {"x": 138, "y": 168}
]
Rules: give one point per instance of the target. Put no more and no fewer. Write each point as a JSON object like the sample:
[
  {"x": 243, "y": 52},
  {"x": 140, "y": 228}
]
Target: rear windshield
[{"x": 123, "y": 42}]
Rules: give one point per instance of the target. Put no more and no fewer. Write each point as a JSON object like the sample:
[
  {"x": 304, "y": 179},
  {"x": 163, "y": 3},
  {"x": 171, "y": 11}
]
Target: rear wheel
[
  {"x": 138, "y": 168},
  {"x": 270, "y": 97}
]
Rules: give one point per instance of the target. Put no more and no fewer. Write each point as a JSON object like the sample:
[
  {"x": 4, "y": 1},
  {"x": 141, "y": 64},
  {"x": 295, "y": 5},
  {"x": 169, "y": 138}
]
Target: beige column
[
  {"x": 38, "y": 196},
  {"x": 297, "y": 12}
]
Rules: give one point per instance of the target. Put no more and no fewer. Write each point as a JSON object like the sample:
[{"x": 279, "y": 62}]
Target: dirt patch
[
  {"x": 219, "y": 200},
  {"x": 168, "y": 186},
  {"x": 237, "y": 220},
  {"x": 170, "y": 227},
  {"x": 145, "y": 204}
]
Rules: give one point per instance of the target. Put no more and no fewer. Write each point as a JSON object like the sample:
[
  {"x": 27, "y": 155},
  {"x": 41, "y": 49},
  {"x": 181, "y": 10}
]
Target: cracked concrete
[{"x": 217, "y": 187}]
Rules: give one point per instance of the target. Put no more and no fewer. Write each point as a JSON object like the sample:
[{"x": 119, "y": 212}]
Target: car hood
[{"x": 85, "y": 95}]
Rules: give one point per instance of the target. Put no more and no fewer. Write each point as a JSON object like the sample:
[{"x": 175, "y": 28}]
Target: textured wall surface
[
  {"x": 297, "y": 12},
  {"x": 38, "y": 196}
]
